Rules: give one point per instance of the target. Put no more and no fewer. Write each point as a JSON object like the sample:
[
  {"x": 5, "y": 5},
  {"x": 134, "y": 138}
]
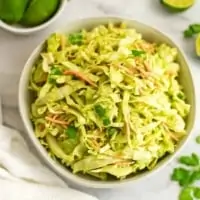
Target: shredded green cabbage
[{"x": 107, "y": 102}]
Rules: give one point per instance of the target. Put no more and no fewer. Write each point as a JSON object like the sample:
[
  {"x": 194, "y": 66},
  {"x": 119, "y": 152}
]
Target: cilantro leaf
[
  {"x": 195, "y": 28},
  {"x": 181, "y": 95},
  {"x": 192, "y": 30},
  {"x": 198, "y": 139},
  {"x": 196, "y": 192},
  {"x": 51, "y": 80},
  {"x": 55, "y": 71},
  {"x": 106, "y": 121},
  {"x": 186, "y": 194},
  {"x": 182, "y": 176},
  {"x": 71, "y": 132},
  {"x": 192, "y": 160},
  {"x": 100, "y": 110},
  {"x": 195, "y": 158},
  {"x": 137, "y": 52},
  {"x": 75, "y": 38},
  {"x": 188, "y": 33},
  {"x": 195, "y": 176}
]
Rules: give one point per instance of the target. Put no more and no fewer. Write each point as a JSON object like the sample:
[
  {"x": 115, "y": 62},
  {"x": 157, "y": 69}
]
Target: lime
[
  {"x": 178, "y": 5},
  {"x": 198, "y": 45},
  {"x": 11, "y": 11},
  {"x": 39, "y": 11}
]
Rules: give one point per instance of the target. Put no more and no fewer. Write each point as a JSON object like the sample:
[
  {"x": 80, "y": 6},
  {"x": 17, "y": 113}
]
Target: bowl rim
[
  {"x": 65, "y": 173},
  {"x": 27, "y": 30}
]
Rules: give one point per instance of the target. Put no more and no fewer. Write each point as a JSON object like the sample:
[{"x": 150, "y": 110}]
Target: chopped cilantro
[
  {"x": 137, "y": 52},
  {"x": 106, "y": 121},
  {"x": 100, "y": 110},
  {"x": 71, "y": 132},
  {"x": 75, "y": 38},
  {"x": 55, "y": 71},
  {"x": 51, "y": 80}
]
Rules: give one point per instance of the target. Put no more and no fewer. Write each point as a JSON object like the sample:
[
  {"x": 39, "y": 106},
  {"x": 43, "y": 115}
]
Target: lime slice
[
  {"x": 198, "y": 45},
  {"x": 178, "y": 5}
]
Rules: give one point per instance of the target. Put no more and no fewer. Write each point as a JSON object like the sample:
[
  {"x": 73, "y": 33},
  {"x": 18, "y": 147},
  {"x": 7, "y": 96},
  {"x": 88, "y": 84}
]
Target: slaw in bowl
[{"x": 107, "y": 103}]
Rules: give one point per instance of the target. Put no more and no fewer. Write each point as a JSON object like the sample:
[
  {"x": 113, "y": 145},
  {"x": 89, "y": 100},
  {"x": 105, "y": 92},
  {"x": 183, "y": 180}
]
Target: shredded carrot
[
  {"x": 80, "y": 76},
  {"x": 54, "y": 117},
  {"x": 56, "y": 121},
  {"x": 147, "y": 67}
]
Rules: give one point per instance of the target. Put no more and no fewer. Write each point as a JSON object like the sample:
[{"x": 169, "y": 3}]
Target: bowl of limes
[{"x": 29, "y": 16}]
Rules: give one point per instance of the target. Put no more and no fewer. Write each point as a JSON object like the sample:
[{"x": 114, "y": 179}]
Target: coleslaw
[{"x": 107, "y": 102}]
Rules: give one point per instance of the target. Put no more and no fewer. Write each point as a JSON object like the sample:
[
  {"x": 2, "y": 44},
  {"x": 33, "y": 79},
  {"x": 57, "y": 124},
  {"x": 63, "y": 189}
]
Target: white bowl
[
  {"x": 148, "y": 33},
  {"x": 21, "y": 30}
]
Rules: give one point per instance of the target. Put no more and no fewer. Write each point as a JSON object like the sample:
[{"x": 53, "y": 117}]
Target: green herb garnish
[
  {"x": 137, "y": 52},
  {"x": 75, "y": 38},
  {"x": 198, "y": 139},
  {"x": 192, "y": 30},
  {"x": 55, "y": 71},
  {"x": 186, "y": 194},
  {"x": 181, "y": 175},
  {"x": 71, "y": 132},
  {"x": 188, "y": 33},
  {"x": 186, "y": 177},
  {"x": 106, "y": 121},
  {"x": 51, "y": 80},
  {"x": 100, "y": 110},
  {"x": 195, "y": 28},
  {"x": 192, "y": 160}
]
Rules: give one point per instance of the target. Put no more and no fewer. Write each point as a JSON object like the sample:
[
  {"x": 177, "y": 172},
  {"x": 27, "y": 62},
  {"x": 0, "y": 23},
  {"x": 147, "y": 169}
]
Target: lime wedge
[
  {"x": 178, "y": 5},
  {"x": 198, "y": 45}
]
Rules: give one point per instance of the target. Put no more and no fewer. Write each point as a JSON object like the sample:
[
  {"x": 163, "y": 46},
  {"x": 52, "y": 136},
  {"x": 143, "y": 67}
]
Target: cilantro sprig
[
  {"x": 192, "y": 30},
  {"x": 186, "y": 175}
]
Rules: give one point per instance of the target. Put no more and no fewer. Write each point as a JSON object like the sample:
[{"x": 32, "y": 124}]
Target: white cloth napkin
[{"x": 23, "y": 177}]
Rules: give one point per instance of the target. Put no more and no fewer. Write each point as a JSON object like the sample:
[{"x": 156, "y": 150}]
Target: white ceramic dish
[
  {"x": 21, "y": 30},
  {"x": 148, "y": 33}
]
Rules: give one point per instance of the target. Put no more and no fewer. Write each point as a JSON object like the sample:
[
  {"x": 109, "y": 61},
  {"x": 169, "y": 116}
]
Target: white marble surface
[{"x": 14, "y": 50}]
